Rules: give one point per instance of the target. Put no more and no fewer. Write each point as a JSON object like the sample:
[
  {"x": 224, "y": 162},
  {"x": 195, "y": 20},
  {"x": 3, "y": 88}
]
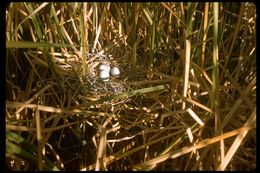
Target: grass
[{"x": 185, "y": 98}]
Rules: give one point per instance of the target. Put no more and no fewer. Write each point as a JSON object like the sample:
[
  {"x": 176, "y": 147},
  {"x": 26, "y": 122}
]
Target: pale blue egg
[
  {"x": 104, "y": 75},
  {"x": 115, "y": 72},
  {"x": 104, "y": 67}
]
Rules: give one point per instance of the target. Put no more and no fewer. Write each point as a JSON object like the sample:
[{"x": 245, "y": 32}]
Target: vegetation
[{"x": 185, "y": 98}]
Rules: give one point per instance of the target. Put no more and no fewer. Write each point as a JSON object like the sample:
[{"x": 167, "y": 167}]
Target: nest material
[{"x": 92, "y": 85}]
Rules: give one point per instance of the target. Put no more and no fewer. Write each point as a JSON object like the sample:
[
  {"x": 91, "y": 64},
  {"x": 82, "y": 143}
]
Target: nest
[{"x": 92, "y": 86}]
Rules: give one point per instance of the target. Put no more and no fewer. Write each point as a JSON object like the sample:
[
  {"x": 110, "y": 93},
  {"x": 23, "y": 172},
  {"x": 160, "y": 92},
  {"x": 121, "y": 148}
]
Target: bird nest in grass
[{"x": 92, "y": 86}]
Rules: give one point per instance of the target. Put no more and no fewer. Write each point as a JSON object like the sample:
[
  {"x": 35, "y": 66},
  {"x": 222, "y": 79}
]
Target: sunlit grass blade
[{"x": 28, "y": 44}]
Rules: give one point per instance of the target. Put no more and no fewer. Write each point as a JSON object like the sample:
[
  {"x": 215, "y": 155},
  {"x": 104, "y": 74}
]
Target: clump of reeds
[{"x": 185, "y": 99}]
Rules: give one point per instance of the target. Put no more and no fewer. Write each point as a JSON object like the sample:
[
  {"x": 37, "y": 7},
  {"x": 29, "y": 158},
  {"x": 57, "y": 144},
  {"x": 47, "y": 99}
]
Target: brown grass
[{"x": 185, "y": 98}]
